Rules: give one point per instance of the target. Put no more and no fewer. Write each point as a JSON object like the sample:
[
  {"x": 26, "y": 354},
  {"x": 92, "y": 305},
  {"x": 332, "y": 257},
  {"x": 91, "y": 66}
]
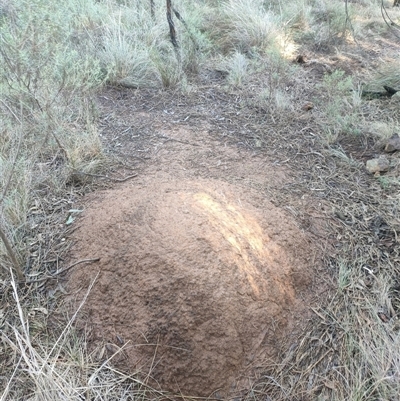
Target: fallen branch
[
  {"x": 61, "y": 271},
  {"x": 106, "y": 176}
]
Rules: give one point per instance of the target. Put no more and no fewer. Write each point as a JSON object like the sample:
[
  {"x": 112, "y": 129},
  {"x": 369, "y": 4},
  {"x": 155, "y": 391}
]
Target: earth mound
[{"x": 198, "y": 280}]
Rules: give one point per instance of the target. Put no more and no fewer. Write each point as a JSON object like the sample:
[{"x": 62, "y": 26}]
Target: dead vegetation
[{"x": 310, "y": 117}]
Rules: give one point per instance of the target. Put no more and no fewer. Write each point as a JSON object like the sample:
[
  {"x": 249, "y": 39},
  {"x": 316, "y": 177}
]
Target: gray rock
[
  {"x": 378, "y": 165},
  {"x": 393, "y": 144}
]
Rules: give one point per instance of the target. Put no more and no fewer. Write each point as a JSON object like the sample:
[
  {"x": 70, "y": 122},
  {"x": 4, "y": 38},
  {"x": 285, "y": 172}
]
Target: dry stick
[
  {"x": 12, "y": 256},
  {"x": 172, "y": 32},
  {"x": 388, "y": 19},
  {"x": 69, "y": 324},
  {"x": 348, "y": 21},
  {"x": 106, "y": 176},
  {"x": 3, "y": 236},
  {"x": 62, "y": 86},
  {"x": 10, "y": 110},
  {"x": 58, "y": 272},
  {"x": 392, "y": 23},
  {"x": 180, "y": 18},
  {"x": 61, "y": 147},
  {"x": 152, "y": 12},
  {"x": 7, "y": 389},
  {"x": 11, "y": 172},
  {"x": 152, "y": 362}
]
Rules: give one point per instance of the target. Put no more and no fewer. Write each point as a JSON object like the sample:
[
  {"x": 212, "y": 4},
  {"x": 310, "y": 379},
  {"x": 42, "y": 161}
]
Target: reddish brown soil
[
  {"x": 201, "y": 277},
  {"x": 204, "y": 274},
  {"x": 208, "y": 258}
]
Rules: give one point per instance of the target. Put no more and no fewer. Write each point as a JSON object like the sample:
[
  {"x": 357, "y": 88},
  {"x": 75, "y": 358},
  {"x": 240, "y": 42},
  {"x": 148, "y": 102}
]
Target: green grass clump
[
  {"x": 245, "y": 26},
  {"x": 340, "y": 103},
  {"x": 388, "y": 74}
]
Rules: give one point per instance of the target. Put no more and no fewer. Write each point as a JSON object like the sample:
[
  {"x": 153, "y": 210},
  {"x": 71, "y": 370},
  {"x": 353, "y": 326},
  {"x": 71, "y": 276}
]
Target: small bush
[
  {"x": 237, "y": 65},
  {"x": 340, "y": 104},
  {"x": 245, "y": 26}
]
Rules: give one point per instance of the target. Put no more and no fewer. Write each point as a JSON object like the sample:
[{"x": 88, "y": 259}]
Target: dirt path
[{"x": 202, "y": 279}]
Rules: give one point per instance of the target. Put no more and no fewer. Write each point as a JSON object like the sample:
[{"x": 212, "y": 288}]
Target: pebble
[
  {"x": 379, "y": 165},
  {"x": 393, "y": 144}
]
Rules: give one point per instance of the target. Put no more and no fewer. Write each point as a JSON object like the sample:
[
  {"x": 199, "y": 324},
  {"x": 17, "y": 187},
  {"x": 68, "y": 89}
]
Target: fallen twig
[
  {"x": 106, "y": 176},
  {"x": 11, "y": 254},
  {"x": 58, "y": 272}
]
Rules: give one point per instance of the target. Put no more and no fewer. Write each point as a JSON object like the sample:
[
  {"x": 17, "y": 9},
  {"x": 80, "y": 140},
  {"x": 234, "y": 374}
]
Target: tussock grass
[
  {"x": 340, "y": 102},
  {"x": 388, "y": 74},
  {"x": 237, "y": 66},
  {"x": 245, "y": 26},
  {"x": 331, "y": 20},
  {"x": 136, "y": 51},
  {"x": 278, "y": 73}
]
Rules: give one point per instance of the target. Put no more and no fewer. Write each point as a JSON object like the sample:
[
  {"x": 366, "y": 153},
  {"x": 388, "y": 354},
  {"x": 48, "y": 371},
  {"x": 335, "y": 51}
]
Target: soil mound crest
[{"x": 199, "y": 279}]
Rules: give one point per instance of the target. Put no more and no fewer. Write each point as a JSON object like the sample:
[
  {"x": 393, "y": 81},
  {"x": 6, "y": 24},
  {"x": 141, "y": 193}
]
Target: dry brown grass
[{"x": 350, "y": 348}]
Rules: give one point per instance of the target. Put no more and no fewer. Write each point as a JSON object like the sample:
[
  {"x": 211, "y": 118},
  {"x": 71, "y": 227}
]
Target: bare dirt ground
[
  {"x": 211, "y": 256},
  {"x": 202, "y": 278}
]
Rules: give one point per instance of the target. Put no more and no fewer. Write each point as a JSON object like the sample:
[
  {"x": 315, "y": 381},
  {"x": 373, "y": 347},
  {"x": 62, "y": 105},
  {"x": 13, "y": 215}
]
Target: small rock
[
  {"x": 308, "y": 106},
  {"x": 300, "y": 59},
  {"x": 378, "y": 165},
  {"x": 393, "y": 144}
]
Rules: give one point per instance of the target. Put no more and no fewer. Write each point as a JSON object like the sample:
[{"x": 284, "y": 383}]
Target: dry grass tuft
[
  {"x": 350, "y": 348},
  {"x": 48, "y": 368},
  {"x": 388, "y": 74},
  {"x": 245, "y": 26}
]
